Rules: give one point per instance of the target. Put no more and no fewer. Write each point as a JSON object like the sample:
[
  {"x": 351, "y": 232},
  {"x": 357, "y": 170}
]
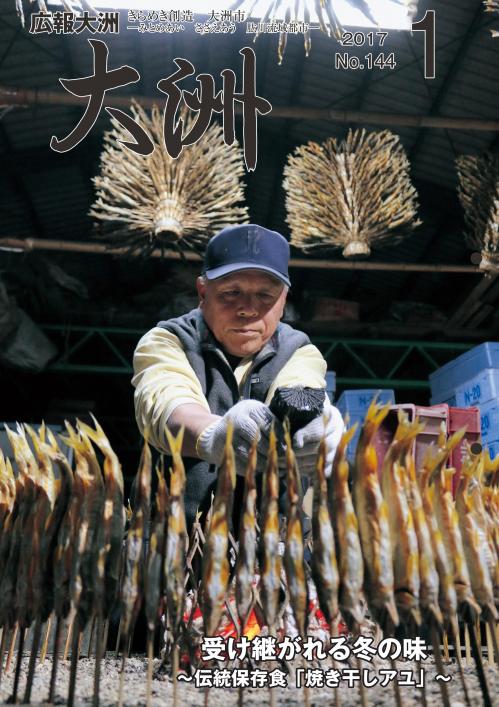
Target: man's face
[{"x": 242, "y": 309}]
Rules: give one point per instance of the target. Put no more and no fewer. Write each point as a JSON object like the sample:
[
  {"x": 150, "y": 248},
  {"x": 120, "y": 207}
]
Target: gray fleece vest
[{"x": 220, "y": 388}]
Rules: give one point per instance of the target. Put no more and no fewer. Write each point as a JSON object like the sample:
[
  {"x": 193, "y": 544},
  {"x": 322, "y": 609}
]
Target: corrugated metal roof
[{"x": 467, "y": 59}]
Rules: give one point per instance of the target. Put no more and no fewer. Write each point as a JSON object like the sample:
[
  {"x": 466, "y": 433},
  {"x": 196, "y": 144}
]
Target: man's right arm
[{"x": 167, "y": 391}]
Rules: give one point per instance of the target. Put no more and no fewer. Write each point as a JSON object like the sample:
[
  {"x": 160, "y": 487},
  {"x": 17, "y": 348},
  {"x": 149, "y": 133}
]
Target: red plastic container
[
  {"x": 463, "y": 417},
  {"x": 432, "y": 416}
]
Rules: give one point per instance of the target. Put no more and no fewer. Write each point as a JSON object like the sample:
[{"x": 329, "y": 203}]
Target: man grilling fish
[{"x": 222, "y": 363}]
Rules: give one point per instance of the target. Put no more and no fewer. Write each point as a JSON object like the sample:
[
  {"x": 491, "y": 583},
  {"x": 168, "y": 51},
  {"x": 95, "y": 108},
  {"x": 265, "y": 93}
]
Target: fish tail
[
  {"x": 347, "y": 436},
  {"x": 376, "y": 414},
  {"x": 175, "y": 443},
  {"x": 37, "y": 441},
  {"x": 75, "y": 440},
  {"x": 97, "y": 436},
  {"x": 455, "y": 439}
]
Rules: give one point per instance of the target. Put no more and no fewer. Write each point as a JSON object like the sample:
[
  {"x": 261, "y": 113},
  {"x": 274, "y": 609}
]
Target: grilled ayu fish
[
  {"x": 43, "y": 578},
  {"x": 112, "y": 527},
  {"x": 324, "y": 566},
  {"x": 374, "y": 530},
  {"x": 7, "y": 490},
  {"x": 246, "y": 557},
  {"x": 7, "y": 506},
  {"x": 447, "y": 597},
  {"x": 216, "y": 569},
  {"x": 428, "y": 575},
  {"x": 25, "y": 496},
  {"x": 404, "y": 542},
  {"x": 84, "y": 589},
  {"x": 156, "y": 556},
  {"x": 488, "y": 508},
  {"x": 176, "y": 537},
  {"x": 346, "y": 533},
  {"x": 33, "y": 513},
  {"x": 293, "y": 550},
  {"x": 271, "y": 562},
  {"x": 133, "y": 574},
  {"x": 475, "y": 541},
  {"x": 447, "y": 520}
]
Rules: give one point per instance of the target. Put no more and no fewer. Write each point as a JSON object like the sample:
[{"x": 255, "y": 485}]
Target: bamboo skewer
[
  {"x": 3, "y": 644},
  {"x": 75, "y": 655},
  {"x": 459, "y": 659},
  {"x": 99, "y": 647},
  {"x": 45, "y": 645},
  {"x": 22, "y": 634},
  {"x": 477, "y": 655},
  {"x": 467, "y": 644},
  {"x": 32, "y": 660},
  {"x": 150, "y": 657},
  {"x": 55, "y": 658},
  {"x": 13, "y": 639},
  {"x": 439, "y": 663}
]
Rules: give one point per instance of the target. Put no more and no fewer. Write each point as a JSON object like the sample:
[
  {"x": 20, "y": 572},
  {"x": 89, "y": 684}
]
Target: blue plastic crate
[
  {"x": 479, "y": 390},
  {"x": 493, "y": 448},
  {"x": 331, "y": 384},
  {"x": 451, "y": 402},
  {"x": 446, "y": 379},
  {"x": 489, "y": 420},
  {"x": 356, "y": 402}
]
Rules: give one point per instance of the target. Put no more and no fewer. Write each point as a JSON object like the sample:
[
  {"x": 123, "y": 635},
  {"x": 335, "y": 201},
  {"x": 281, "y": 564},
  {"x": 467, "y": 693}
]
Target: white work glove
[
  {"x": 250, "y": 419},
  {"x": 307, "y": 439}
]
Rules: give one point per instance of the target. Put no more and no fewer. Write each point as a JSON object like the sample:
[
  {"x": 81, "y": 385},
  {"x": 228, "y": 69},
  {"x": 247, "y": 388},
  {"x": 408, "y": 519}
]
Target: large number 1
[{"x": 427, "y": 25}]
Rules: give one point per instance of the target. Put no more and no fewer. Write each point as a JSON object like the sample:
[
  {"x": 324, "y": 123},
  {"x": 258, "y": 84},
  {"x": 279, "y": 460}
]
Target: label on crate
[
  {"x": 489, "y": 422},
  {"x": 480, "y": 389}
]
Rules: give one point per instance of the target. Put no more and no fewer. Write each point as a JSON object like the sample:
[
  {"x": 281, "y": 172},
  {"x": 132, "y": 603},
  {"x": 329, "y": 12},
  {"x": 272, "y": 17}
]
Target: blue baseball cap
[{"x": 247, "y": 247}]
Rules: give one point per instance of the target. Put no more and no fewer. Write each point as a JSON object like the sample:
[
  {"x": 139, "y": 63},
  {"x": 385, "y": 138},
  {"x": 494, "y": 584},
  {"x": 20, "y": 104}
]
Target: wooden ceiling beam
[{"x": 10, "y": 96}]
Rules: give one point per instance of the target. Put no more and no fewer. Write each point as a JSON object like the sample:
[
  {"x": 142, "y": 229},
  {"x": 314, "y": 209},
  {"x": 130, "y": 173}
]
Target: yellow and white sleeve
[{"x": 163, "y": 380}]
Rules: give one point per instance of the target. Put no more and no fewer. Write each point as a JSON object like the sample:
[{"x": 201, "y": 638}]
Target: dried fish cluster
[
  {"x": 397, "y": 548},
  {"x": 351, "y": 195},
  {"x": 311, "y": 11},
  {"x": 479, "y": 195},
  {"x": 155, "y": 201}
]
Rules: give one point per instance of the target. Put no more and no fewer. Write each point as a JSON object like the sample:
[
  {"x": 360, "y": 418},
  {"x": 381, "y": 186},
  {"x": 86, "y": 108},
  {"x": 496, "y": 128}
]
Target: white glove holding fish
[
  {"x": 307, "y": 439},
  {"x": 250, "y": 419}
]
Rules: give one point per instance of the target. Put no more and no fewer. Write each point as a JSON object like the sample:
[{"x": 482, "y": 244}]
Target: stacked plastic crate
[
  {"x": 355, "y": 403},
  {"x": 472, "y": 380}
]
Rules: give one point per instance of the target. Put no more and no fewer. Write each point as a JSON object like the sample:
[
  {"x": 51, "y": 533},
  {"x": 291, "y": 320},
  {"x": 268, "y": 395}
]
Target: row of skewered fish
[{"x": 398, "y": 541}]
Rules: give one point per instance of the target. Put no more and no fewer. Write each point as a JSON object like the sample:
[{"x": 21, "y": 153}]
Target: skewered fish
[
  {"x": 447, "y": 520},
  {"x": 111, "y": 532},
  {"x": 271, "y": 562},
  {"x": 176, "y": 537},
  {"x": 447, "y": 597},
  {"x": 155, "y": 578},
  {"x": 428, "y": 575},
  {"x": 246, "y": 558},
  {"x": 324, "y": 566},
  {"x": 131, "y": 591},
  {"x": 404, "y": 542},
  {"x": 346, "y": 533},
  {"x": 216, "y": 569},
  {"x": 294, "y": 550},
  {"x": 474, "y": 536},
  {"x": 374, "y": 531}
]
